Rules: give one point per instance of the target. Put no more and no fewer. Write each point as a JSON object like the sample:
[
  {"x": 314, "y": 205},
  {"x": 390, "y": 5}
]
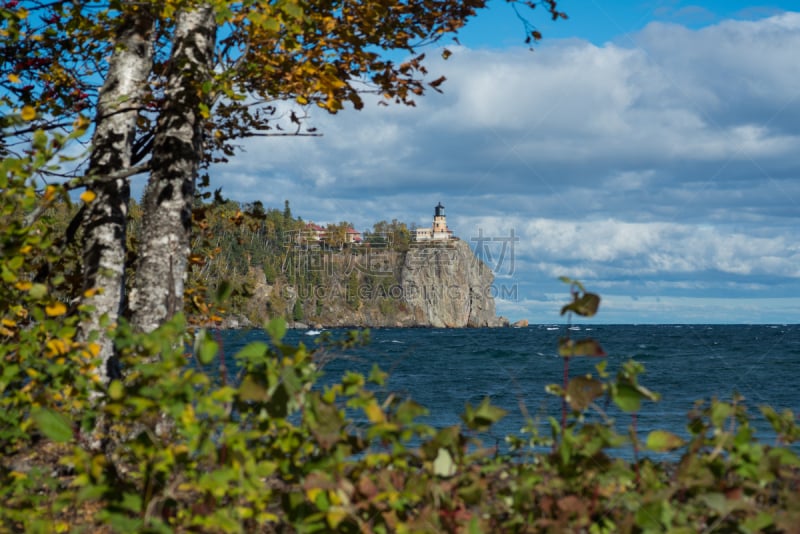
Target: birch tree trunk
[
  {"x": 177, "y": 151},
  {"x": 105, "y": 218}
]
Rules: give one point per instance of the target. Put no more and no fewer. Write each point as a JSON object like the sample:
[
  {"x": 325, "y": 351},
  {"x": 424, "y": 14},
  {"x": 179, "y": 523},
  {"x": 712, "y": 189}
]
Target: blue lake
[{"x": 444, "y": 369}]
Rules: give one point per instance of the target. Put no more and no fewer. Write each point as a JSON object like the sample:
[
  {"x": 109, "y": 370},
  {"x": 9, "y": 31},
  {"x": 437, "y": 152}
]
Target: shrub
[{"x": 191, "y": 445}]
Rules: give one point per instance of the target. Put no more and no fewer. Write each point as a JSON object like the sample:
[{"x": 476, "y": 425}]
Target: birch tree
[
  {"x": 105, "y": 216},
  {"x": 177, "y": 153}
]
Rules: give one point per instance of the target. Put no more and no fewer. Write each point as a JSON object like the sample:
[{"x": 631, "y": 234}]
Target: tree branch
[
  {"x": 88, "y": 180},
  {"x": 283, "y": 134}
]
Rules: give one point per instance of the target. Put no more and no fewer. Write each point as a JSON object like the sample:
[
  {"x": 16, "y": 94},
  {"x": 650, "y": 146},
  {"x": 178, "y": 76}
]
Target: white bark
[
  {"x": 177, "y": 151},
  {"x": 105, "y": 218}
]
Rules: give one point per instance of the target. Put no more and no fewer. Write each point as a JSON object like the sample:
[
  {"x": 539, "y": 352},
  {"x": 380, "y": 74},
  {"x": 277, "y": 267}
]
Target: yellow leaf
[
  {"x": 245, "y": 512},
  {"x": 87, "y": 196},
  {"x": 28, "y": 113},
  {"x": 5, "y": 332},
  {"x": 49, "y": 193},
  {"x": 89, "y": 293},
  {"x": 302, "y": 100},
  {"x": 23, "y": 285},
  {"x": 312, "y": 493},
  {"x": 94, "y": 349},
  {"x": 335, "y": 515},
  {"x": 24, "y": 250},
  {"x": 55, "y": 309},
  {"x": 13, "y": 78},
  {"x": 374, "y": 413},
  {"x": 81, "y": 123},
  {"x": 56, "y": 347},
  {"x": 9, "y": 323}
]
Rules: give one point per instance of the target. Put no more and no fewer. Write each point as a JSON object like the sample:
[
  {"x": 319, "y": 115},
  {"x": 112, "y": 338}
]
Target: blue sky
[{"x": 647, "y": 148}]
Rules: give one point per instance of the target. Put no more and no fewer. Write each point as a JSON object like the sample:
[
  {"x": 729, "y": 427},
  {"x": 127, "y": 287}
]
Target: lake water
[{"x": 443, "y": 369}]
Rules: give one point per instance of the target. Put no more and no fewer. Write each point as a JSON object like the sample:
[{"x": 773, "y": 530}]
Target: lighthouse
[{"x": 438, "y": 231}]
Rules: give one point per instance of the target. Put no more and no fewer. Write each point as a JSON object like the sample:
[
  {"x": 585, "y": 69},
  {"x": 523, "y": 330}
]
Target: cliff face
[
  {"x": 442, "y": 286},
  {"x": 448, "y": 287}
]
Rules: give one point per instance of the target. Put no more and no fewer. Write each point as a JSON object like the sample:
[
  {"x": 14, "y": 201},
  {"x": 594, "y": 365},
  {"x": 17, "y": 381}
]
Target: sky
[{"x": 647, "y": 148}]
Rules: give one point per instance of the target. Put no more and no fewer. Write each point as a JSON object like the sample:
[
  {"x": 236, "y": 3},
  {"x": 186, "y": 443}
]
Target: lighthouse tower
[{"x": 440, "y": 230}]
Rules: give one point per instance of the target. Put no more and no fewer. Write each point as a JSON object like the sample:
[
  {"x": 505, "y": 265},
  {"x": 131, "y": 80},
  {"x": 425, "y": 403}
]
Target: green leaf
[
  {"x": 377, "y": 376},
  {"x": 648, "y": 517},
  {"x": 253, "y": 351},
  {"x": 16, "y": 262},
  {"x": 38, "y": 291},
  {"x": 116, "y": 390},
  {"x": 208, "y": 350},
  {"x": 54, "y": 425},
  {"x": 292, "y": 9},
  {"x": 663, "y": 441},
  {"x": 718, "y": 503},
  {"x": 253, "y": 390},
  {"x": 720, "y": 411},
  {"x": 408, "y": 410},
  {"x": 759, "y": 523},
  {"x": 276, "y": 329},
  {"x": 627, "y": 397},
  {"x": 204, "y": 111},
  {"x": 482, "y": 417},
  {"x": 270, "y": 24}
]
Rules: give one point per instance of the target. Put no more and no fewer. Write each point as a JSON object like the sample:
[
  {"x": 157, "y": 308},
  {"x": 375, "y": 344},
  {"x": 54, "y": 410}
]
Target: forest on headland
[
  {"x": 274, "y": 264},
  {"x": 110, "y": 420}
]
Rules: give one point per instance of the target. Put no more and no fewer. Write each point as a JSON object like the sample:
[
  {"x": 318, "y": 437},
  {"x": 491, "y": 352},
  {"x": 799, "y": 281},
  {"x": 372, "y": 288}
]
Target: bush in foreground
[{"x": 171, "y": 446}]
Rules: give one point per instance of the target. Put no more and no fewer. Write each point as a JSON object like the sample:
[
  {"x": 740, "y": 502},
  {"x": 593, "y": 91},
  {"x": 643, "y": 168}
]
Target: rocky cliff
[
  {"x": 443, "y": 286},
  {"x": 448, "y": 286}
]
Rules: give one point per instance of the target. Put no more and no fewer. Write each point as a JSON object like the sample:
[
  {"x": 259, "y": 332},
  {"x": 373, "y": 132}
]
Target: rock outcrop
[{"x": 447, "y": 286}]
